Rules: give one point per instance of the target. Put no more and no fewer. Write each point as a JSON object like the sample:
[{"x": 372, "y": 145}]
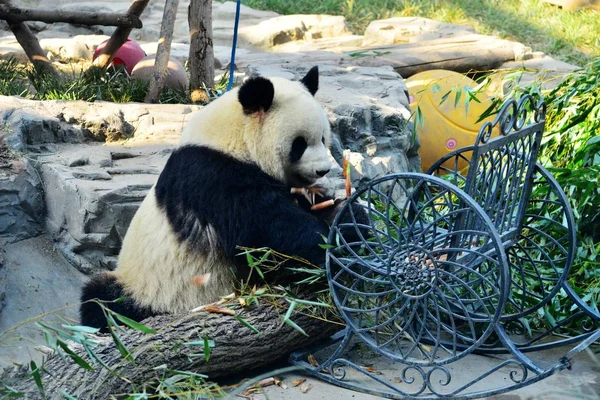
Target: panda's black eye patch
[{"x": 298, "y": 147}]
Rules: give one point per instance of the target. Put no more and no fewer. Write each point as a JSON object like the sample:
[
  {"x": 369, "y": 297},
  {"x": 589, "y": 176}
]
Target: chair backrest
[{"x": 501, "y": 168}]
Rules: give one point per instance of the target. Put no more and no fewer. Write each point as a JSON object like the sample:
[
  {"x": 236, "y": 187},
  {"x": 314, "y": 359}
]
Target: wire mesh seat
[{"x": 451, "y": 264}]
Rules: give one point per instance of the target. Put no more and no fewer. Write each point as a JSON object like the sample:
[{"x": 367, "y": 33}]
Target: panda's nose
[{"x": 322, "y": 173}]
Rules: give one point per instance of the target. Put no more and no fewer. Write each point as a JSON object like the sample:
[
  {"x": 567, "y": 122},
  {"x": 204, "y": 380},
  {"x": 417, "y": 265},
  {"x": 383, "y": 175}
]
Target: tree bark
[
  {"x": 30, "y": 45},
  {"x": 236, "y": 349},
  {"x": 201, "y": 60},
  {"x": 119, "y": 36},
  {"x": 17, "y": 14},
  {"x": 163, "y": 51}
]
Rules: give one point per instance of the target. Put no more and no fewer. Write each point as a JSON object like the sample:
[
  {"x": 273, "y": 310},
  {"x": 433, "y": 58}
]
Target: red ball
[{"x": 128, "y": 55}]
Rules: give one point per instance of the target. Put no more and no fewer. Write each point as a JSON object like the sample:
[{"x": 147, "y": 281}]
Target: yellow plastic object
[{"x": 445, "y": 127}]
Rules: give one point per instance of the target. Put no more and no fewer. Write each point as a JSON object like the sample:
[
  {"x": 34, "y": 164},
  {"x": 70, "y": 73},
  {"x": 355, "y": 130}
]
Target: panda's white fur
[
  {"x": 264, "y": 139},
  {"x": 158, "y": 267}
]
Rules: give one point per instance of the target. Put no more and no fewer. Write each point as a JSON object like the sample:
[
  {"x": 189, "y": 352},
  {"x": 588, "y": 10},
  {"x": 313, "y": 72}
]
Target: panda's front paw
[{"x": 316, "y": 200}]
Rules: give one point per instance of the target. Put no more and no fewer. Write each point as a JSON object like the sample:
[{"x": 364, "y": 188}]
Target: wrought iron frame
[{"x": 450, "y": 263}]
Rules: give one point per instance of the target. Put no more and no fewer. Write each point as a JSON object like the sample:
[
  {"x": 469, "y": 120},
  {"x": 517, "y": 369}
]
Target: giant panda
[{"x": 226, "y": 185}]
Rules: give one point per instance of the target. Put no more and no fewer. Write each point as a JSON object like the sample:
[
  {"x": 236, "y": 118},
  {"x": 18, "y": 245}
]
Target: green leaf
[
  {"x": 13, "y": 393},
  {"x": 312, "y": 303},
  {"x": 359, "y": 54},
  {"x": 290, "y": 310},
  {"x": 457, "y": 96},
  {"x": 288, "y": 320},
  {"x": 246, "y": 324},
  {"x": 80, "y": 361},
  {"x": 258, "y": 271},
  {"x": 94, "y": 356},
  {"x": 326, "y": 246},
  {"x": 35, "y": 373},
  {"x": 194, "y": 343},
  {"x": 80, "y": 328},
  {"x": 112, "y": 328},
  {"x": 192, "y": 374},
  {"x": 208, "y": 344},
  {"x": 471, "y": 94},
  {"x": 595, "y": 139},
  {"x": 491, "y": 110},
  {"x": 445, "y": 97},
  {"x": 134, "y": 325},
  {"x": 295, "y": 326},
  {"x": 67, "y": 395},
  {"x": 419, "y": 120}
]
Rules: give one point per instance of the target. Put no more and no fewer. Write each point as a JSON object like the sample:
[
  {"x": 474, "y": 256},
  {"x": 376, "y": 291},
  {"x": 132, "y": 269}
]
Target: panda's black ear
[
  {"x": 256, "y": 94},
  {"x": 311, "y": 80}
]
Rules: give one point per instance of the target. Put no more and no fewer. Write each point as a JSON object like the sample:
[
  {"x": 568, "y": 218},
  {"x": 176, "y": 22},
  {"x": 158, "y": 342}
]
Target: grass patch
[
  {"x": 13, "y": 78},
  {"x": 569, "y": 36},
  {"x": 111, "y": 84}
]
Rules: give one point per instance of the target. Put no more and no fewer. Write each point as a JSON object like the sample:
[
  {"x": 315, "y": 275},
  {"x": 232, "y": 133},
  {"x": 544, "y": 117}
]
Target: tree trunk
[
  {"x": 163, "y": 51},
  {"x": 119, "y": 36},
  {"x": 236, "y": 349},
  {"x": 30, "y": 45},
  {"x": 202, "y": 58},
  {"x": 17, "y": 14}
]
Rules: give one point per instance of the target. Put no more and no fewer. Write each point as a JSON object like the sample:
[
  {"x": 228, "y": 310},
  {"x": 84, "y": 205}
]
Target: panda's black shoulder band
[{"x": 256, "y": 94}]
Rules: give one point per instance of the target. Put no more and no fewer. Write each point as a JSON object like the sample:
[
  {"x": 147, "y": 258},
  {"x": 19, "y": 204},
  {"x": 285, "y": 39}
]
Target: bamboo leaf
[
  {"x": 80, "y": 328},
  {"x": 80, "y": 361},
  {"x": 445, "y": 97},
  {"x": 13, "y": 393},
  {"x": 134, "y": 325},
  {"x": 112, "y": 328},
  {"x": 35, "y": 373},
  {"x": 295, "y": 326},
  {"x": 67, "y": 395},
  {"x": 457, "y": 96},
  {"x": 312, "y": 303},
  {"x": 246, "y": 324},
  {"x": 208, "y": 344}
]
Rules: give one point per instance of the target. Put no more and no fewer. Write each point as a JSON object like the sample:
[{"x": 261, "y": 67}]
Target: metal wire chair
[{"x": 451, "y": 262}]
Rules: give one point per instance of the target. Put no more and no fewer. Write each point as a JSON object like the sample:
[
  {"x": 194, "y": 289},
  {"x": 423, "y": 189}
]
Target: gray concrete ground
[
  {"x": 580, "y": 383},
  {"x": 38, "y": 280}
]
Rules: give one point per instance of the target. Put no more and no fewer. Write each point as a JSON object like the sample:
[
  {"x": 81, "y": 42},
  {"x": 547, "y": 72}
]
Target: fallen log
[
  {"x": 465, "y": 53},
  {"x": 236, "y": 349},
  {"x": 17, "y": 14},
  {"x": 462, "y": 54}
]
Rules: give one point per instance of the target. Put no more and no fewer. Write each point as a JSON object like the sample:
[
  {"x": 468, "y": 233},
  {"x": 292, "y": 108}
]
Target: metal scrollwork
[
  {"x": 410, "y": 273},
  {"x": 338, "y": 370},
  {"x": 426, "y": 269},
  {"x": 513, "y": 116}
]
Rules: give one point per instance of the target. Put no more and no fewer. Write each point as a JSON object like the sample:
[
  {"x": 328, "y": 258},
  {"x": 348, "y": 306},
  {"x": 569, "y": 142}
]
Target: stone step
[{"x": 92, "y": 192}]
